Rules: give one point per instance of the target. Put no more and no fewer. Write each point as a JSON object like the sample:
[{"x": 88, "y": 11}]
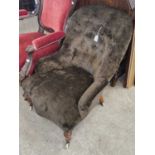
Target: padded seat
[{"x": 62, "y": 87}]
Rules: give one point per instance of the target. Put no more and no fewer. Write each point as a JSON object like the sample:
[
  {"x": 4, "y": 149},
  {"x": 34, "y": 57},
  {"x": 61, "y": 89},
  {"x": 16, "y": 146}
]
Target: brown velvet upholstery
[{"x": 65, "y": 84}]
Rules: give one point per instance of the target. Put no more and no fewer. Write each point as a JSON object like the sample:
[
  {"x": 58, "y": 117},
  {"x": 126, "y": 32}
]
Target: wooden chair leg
[
  {"x": 67, "y": 135},
  {"x": 114, "y": 79}
]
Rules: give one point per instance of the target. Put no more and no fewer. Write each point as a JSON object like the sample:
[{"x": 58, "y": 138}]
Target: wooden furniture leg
[{"x": 130, "y": 75}]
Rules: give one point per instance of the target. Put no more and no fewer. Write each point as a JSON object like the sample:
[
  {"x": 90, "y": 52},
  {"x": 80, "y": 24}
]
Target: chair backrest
[
  {"x": 102, "y": 57},
  {"x": 53, "y": 14}
]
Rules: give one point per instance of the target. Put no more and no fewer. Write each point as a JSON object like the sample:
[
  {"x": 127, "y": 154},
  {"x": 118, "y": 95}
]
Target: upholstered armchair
[
  {"x": 64, "y": 85},
  {"x": 52, "y": 17}
]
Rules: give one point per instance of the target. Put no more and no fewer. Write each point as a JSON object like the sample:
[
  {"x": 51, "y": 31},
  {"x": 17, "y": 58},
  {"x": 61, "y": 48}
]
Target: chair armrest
[
  {"x": 47, "y": 40},
  {"x": 88, "y": 96}
]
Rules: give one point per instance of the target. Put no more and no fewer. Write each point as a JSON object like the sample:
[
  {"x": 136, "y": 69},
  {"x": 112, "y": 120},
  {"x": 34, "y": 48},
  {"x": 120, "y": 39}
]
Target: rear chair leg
[
  {"x": 67, "y": 135},
  {"x": 114, "y": 79},
  {"x": 101, "y": 100}
]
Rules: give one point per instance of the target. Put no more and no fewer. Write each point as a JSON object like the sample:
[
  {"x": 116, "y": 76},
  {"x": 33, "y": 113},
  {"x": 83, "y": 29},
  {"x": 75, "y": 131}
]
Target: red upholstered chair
[{"x": 52, "y": 17}]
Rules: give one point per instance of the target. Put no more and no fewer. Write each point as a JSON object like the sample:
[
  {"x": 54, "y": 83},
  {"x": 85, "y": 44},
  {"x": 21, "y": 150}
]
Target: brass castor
[
  {"x": 101, "y": 100},
  {"x": 67, "y": 145},
  {"x": 67, "y": 135},
  {"x": 31, "y": 107}
]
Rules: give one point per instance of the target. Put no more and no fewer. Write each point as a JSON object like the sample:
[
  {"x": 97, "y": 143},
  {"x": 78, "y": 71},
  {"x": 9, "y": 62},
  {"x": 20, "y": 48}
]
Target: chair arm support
[
  {"x": 88, "y": 96},
  {"x": 26, "y": 67},
  {"x": 30, "y": 49},
  {"x": 47, "y": 40}
]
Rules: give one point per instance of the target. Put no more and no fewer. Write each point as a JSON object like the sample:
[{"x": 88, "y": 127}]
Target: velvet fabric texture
[
  {"x": 64, "y": 85},
  {"x": 54, "y": 13},
  {"x": 52, "y": 16},
  {"x": 27, "y": 39},
  {"x": 47, "y": 40}
]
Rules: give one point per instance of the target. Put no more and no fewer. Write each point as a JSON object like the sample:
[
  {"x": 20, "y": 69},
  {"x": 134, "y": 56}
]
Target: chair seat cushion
[{"x": 56, "y": 94}]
